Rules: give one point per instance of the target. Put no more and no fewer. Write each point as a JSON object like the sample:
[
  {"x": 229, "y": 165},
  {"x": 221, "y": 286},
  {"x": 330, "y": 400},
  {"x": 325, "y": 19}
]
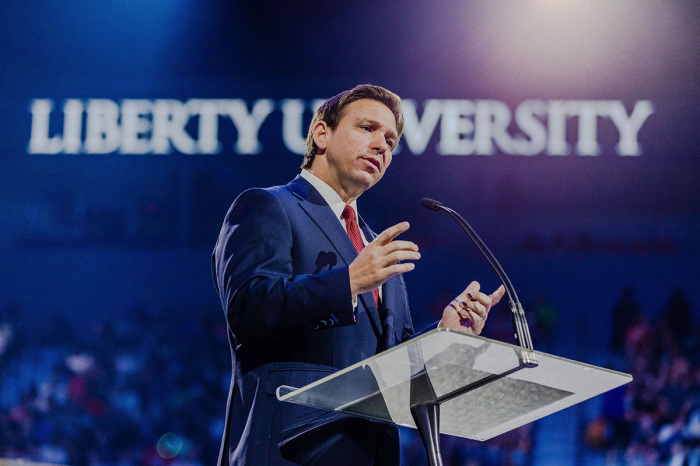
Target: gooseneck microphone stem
[{"x": 520, "y": 327}]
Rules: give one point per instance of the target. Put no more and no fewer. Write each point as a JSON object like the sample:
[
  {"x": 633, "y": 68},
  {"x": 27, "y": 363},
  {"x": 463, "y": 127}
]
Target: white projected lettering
[
  {"x": 169, "y": 120},
  {"x": 208, "y": 129},
  {"x": 629, "y": 125},
  {"x": 293, "y": 132},
  {"x": 421, "y": 129},
  {"x": 529, "y": 117},
  {"x": 460, "y": 126},
  {"x": 102, "y": 132},
  {"x": 136, "y": 126},
  {"x": 40, "y": 142},
  {"x": 247, "y": 124},
  {"x": 455, "y": 128}
]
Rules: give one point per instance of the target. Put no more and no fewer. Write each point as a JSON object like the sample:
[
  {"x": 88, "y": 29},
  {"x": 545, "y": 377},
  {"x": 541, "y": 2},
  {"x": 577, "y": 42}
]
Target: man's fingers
[
  {"x": 398, "y": 256},
  {"x": 398, "y": 244},
  {"x": 473, "y": 287},
  {"x": 398, "y": 268},
  {"x": 482, "y": 303},
  {"x": 497, "y": 295},
  {"x": 477, "y": 323},
  {"x": 480, "y": 298},
  {"x": 479, "y": 309},
  {"x": 460, "y": 308},
  {"x": 390, "y": 233},
  {"x": 387, "y": 272},
  {"x": 476, "y": 307},
  {"x": 487, "y": 300}
]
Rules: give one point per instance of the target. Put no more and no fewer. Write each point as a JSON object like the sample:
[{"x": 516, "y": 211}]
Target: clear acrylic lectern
[{"x": 453, "y": 383}]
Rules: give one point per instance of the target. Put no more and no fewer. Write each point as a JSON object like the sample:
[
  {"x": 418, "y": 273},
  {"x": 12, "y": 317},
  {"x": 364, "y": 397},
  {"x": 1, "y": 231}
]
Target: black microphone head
[{"x": 431, "y": 204}]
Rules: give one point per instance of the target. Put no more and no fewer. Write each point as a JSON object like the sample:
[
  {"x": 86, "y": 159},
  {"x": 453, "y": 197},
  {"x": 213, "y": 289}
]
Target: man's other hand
[{"x": 468, "y": 312}]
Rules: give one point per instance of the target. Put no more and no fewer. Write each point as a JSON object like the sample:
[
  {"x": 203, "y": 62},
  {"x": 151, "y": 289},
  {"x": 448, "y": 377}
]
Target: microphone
[
  {"x": 520, "y": 327},
  {"x": 430, "y": 204}
]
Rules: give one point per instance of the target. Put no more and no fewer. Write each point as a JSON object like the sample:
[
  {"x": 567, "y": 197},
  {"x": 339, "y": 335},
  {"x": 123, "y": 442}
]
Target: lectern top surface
[{"x": 502, "y": 396}]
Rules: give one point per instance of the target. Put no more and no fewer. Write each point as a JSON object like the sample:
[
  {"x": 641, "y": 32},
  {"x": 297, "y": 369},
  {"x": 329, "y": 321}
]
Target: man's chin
[{"x": 367, "y": 179}]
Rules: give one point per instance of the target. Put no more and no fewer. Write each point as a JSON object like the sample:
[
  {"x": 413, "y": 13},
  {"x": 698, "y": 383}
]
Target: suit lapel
[{"x": 320, "y": 212}]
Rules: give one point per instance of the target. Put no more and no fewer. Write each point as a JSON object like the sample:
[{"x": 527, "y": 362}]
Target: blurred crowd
[
  {"x": 656, "y": 418},
  {"x": 148, "y": 387}
]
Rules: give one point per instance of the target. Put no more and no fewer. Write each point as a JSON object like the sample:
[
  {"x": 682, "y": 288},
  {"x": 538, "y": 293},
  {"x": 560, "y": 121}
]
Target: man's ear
[{"x": 321, "y": 132}]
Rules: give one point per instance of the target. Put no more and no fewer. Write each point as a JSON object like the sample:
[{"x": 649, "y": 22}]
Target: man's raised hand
[{"x": 379, "y": 260}]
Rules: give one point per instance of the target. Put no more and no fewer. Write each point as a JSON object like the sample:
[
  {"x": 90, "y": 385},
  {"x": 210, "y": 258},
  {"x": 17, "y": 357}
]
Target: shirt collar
[{"x": 329, "y": 195}]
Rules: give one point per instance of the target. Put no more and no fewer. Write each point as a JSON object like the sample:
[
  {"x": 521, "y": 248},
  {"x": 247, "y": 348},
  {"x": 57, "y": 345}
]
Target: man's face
[{"x": 358, "y": 151}]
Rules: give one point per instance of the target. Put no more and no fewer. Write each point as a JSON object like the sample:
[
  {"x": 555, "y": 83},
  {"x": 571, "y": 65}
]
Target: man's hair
[{"x": 333, "y": 109}]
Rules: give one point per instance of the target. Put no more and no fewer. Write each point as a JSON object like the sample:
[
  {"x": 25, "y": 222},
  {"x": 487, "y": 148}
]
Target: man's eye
[{"x": 390, "y": 143}]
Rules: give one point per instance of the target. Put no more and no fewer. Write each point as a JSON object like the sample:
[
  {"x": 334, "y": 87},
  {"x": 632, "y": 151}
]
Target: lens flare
[{"x": 169, "y": 445}]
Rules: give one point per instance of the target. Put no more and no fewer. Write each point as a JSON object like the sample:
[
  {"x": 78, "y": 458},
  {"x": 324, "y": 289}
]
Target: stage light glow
[{"x": 577, "y": 41}]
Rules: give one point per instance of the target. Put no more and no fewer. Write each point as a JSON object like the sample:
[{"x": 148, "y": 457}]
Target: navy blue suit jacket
[{"x": 280, "y": 267}]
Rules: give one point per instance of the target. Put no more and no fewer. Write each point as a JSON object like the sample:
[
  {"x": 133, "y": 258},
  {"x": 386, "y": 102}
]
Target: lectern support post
[
  {"x": 425, "y": 405},
  {"x": 427, "y": 419}
]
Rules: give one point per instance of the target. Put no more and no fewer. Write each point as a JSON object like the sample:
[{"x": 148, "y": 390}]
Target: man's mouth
[{"x": 374, "y": 162}]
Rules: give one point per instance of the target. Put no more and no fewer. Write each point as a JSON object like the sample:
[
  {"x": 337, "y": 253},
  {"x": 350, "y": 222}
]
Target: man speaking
[{"x": 308, "y": 289}]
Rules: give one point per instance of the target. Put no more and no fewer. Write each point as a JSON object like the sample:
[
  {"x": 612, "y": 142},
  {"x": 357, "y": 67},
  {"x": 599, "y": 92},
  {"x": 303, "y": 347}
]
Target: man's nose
[{"x": 379, "y": 143}]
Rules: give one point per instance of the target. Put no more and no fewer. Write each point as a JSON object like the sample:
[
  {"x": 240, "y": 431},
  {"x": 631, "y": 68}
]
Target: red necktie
[{"x": 356, "y": 238}]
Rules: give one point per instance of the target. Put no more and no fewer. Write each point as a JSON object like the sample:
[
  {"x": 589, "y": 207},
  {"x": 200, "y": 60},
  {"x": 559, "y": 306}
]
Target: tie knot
[{"x": 348, "y": 213}]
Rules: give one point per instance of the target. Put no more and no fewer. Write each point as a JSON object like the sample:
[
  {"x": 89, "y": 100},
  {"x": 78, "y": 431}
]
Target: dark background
[{"x": 89, "y": 239}]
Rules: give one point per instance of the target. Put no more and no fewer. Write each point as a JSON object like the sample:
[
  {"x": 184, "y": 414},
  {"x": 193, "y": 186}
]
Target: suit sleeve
[{"x": 253, "y": 273}]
